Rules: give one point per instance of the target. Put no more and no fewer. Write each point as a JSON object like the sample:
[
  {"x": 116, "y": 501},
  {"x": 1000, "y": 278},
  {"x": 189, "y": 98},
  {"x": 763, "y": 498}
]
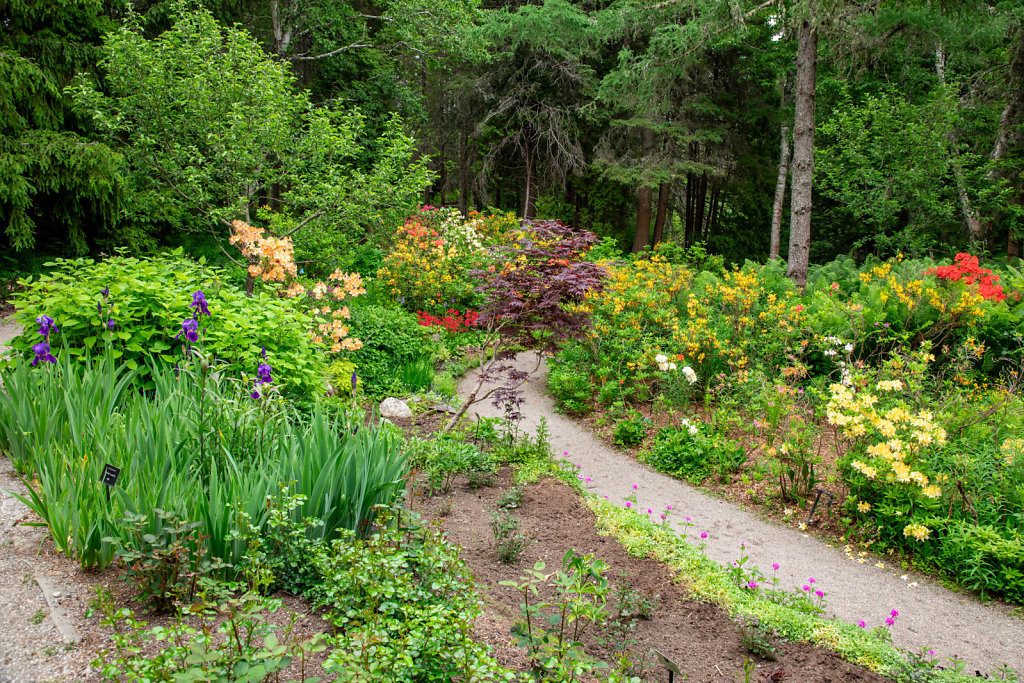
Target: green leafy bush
[
  {"x": 688, "y": 453},
  {"x": 572, "y": 389},
  {"x": 233, "y": 641},
  {"x": 632, "y": 430},
  {"x": 391, "y": 339},
  {"x": 405, "y": 606},
  {"x": 147, "y": 300}
]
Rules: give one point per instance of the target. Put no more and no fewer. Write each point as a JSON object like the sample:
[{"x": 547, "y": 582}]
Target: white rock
[{"x": 392, "y": 407}]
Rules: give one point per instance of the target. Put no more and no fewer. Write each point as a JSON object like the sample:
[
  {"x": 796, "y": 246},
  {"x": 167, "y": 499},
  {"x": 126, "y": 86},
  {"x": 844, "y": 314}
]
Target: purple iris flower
[
  {"x": 199, "y": 303},
  {"x": 110, "y": 324},
  {"x": 189, "y": 328},
  {"x": 42, "y": 351},
  {"x": 263, "y": 352},
  {"x": 263, "y": 374},
  {"x": 255, "y": 395},
  {"x": 355, "y": 381},
  {"x": 105, "y": 292},
  {"x": 46, "y": 325}
]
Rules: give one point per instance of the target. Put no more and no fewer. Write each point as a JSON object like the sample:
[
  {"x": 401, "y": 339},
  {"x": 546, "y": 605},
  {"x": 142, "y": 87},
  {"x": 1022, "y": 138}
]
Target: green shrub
[
  {"x": 405, "y": 605},
  {"x": 571, "y": 389},
  {"x": 632, "y": 430},
  {"x": 418, "y": 375},
  {"x": 391, "y": 339},
  {"x": 148, "y": 300},
  {"x": 688, "y": 453}
]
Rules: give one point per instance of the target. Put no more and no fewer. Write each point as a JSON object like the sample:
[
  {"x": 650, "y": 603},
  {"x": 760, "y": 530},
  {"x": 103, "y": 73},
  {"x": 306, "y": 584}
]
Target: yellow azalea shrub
[
  {"x": 428, "y": 265},
  {"x": 652, "y": 307},
  {"x": 891, "y": 438}
]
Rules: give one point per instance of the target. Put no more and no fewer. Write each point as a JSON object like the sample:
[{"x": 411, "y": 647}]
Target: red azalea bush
[
  {"x": 966, "y": 268},
  {"x": 452, "y": 321}
]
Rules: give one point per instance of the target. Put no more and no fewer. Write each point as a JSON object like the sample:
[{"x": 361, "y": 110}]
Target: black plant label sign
[{"x": 110, "y": 474}]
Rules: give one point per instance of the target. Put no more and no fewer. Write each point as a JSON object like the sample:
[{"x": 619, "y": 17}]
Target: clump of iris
[{"x": 263, "y": 376}]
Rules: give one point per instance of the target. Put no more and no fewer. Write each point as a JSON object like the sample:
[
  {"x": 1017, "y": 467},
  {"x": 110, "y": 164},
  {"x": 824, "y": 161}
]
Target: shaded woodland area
[{"x": 799, "y": 128}]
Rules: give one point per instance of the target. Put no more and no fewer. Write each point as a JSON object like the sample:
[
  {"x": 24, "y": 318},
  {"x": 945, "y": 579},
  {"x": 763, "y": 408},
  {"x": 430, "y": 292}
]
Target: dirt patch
[{"x": 699, "y": 637}]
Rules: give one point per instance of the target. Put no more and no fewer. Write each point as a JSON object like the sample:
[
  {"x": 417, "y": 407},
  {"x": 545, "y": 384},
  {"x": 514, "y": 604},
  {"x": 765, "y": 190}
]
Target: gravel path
[{"x": 984, "y": 635}]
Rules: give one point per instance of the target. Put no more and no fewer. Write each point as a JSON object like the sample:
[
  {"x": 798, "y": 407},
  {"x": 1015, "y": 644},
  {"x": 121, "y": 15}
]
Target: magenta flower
[
  {"x": 628, "y": 504},
  {"x": 894, "y": 614},
  {"x": 820, "y": 593},
  {"x": 862, "y": 624},
  {"x": 669, "y": 507},
  {"x": 634, "y": 487},
  {"x": 703, "y": 534},
  {"x": 687, "y": 519},
  {"x": 775, "y": 566},
  {"x": 650, "y": 511},
  {"x": 752, "y": 584},
  {"x": 806, "y": 587},
  {"x": 890, "y": 621},
  {"x": 810, "y": 580}
]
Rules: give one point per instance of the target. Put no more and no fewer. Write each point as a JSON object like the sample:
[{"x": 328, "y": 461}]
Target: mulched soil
[{"x": 699, "y": 637}]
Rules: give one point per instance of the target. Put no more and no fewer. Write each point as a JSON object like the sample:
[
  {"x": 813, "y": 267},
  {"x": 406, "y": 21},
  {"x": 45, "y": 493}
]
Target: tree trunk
[
  {"x": 701, "y": 204},
  {"x": 975, "y": 229},
  {"x": 688, "y": 223},
  {"x": 780, "y": 192},
  {"x": 803, "y": 152},
  {"x": 642, "y": 236},
  {"x": 530, "y": 183},
  {"x": 659, "y": 219},
  {"x": 1008, "y": 143}
]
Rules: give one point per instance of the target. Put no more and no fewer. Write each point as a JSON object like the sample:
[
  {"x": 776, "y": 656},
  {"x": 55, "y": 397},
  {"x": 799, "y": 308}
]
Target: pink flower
[
  {"x": 650, "y": 511},
  {"x": 806, "y": 587},
  {"x": 703, "y": 534},
  {"x": 810, "y": 580},
  {"x": 669, "y": 507},
  {"x": 634, "y": 487},
  {"x": 894, "y": 614},
  {"x": 775, "y": 566},
  {"x": 820, "y": 593},
  {"x": 890, "y": 621},
  {"x": 862, "y": 624},
  {"x": 687, "y": 519},
  {"x": 628, "y": 504},
  {"x": 588, "y": 480}
]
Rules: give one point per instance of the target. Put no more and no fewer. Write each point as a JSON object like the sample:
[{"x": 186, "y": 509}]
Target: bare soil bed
[{"x": 699, "y": 637}]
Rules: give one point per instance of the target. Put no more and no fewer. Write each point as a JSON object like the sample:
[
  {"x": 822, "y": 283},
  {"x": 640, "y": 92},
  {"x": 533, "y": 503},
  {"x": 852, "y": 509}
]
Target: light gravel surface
[{"x": 950, "y": 623}]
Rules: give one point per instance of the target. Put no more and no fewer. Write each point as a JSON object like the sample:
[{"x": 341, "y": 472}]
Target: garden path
[{"x": 985, "y": 635}]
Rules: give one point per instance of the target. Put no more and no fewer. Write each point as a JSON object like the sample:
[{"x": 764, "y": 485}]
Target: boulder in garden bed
[{"x": 393, "y": 407}]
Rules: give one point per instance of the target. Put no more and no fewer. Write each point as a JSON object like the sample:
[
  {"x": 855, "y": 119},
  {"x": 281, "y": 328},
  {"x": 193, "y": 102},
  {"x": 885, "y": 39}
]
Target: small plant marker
[
  {"x": 668, "y": 664},
  {"x": 109, "y": 477}
]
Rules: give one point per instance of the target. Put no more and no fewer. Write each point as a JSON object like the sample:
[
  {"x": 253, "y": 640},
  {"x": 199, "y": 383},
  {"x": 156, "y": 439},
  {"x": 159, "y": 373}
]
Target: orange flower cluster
[{"x": 274, "y": 257}]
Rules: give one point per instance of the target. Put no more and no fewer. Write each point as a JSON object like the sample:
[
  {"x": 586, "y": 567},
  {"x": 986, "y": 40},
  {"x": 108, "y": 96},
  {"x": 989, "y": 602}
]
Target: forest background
[{"x": 889, "y": 126}]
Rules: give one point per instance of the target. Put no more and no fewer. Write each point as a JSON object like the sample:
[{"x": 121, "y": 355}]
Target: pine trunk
[
  {"x": 803, "y": 152},
  {"x": 780, "y": 192},
  {"x": 642, "y": 236},
  {"x": 659, "y": 219},
  {"x": 530, "y": 183}
]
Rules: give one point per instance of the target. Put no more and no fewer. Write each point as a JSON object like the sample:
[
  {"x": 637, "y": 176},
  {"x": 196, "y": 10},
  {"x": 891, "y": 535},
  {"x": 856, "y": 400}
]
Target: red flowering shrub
[
  {"x": 452, "y": 321},
  {"x": 966, "y": 268}
]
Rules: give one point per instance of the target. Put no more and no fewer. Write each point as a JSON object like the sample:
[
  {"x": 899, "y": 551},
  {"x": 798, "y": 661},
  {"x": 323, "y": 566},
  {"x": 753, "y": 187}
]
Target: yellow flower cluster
[
  {"x": 1012, "y": 451},
  {"x": 916, "y": 531},
  {"x": 899, "y": 434},
  {"x": 428, "y": 267}
]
